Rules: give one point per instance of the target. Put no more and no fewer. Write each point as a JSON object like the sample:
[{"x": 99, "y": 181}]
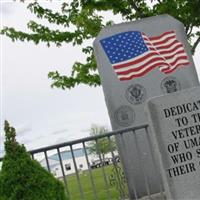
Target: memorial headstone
[
  {"x": 136, "y": 61},
  {"x": 175, "y": 124}
]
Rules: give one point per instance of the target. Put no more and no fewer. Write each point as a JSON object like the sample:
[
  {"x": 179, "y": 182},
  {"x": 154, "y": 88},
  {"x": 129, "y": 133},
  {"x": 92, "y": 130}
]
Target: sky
[{"x": 41, "y": 115}]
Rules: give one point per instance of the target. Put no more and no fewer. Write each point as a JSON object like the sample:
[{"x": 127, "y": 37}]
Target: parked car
[{"x": 99, "y": 163}]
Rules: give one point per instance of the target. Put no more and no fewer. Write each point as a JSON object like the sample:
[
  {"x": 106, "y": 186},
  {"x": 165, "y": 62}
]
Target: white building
[{"x": 68, "y": 164}]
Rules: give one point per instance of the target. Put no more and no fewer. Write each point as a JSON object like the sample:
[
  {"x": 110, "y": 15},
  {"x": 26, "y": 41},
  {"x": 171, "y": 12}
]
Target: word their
[{"x": 182, "y": 169}]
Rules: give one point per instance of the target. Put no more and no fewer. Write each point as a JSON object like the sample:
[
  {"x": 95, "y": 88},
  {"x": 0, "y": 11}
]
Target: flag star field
[{"x": 124, "y": 46}]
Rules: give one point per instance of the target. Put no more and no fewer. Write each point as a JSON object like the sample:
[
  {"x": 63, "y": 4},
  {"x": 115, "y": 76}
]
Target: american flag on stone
[{"x": 132, "y": 54}]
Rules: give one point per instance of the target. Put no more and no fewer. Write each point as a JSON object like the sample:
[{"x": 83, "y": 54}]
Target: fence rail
[{"x": 86, "y": 176}]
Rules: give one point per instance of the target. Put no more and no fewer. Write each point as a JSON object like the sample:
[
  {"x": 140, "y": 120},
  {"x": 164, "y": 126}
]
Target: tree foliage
[
  {"x": 83, "y": 19},
  {"x": 101, "y": 146},
  {"x": 22, "y": 178}
]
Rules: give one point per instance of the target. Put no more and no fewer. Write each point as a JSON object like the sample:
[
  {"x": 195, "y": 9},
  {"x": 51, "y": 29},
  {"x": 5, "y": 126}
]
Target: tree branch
[
  {"x": 48, "y": 14},
  {"x": 189, "y": 32},
  {"x": 195, "y": 44},
  {"x": 136, "y": 8},
  {"x": 42, "y": 34},
  {"x": 187, "y": 28}
]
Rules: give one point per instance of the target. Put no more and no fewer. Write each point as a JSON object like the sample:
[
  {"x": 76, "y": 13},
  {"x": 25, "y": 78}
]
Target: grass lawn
[{"x": 87, "y": 186}]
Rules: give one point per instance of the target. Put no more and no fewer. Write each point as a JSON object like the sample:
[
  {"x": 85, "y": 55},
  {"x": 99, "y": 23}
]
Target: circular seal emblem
[
  {"x": 136, "y": 94},
  {"x": 124, "y": 116},
  {"x": 170, "y": 84}
]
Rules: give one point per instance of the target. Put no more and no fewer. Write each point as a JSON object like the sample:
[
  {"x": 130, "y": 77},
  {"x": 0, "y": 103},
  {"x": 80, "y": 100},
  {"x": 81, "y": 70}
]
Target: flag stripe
[
  {"x": 169, "y": 42},
  {"x": 143, "y": 68},
  {"x": 166, "y": 46},
  {"x": 165, "y": 40},
  {"x": 161, "y": 36},
  {"x": 139, "y": 67},
  {"x": 135, "y": 61},
  {"x": 172, "y": 49},
  {"x": 160, "y": 39},
  {"x": 142, "y": 73},
  {"x": 173, "y": 54},
  {"x": 175, "y": 67},
  {"x": 177, "y": 59}
]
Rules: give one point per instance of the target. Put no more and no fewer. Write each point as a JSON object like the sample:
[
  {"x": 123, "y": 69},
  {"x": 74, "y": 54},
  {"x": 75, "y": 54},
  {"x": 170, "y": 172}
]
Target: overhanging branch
[
  {"x": 189, "y": 32},
  {"x": 195, "y": 45},
  {"x": 136, "y": 8}
]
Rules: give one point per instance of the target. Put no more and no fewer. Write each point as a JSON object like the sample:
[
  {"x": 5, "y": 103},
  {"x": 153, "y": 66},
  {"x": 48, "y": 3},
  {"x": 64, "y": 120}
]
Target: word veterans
[{"x": 181, "y": 169}]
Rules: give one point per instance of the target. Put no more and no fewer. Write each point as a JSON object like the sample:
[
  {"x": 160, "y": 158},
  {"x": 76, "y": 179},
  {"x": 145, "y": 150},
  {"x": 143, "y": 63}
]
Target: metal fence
[{"x": 102, "y": 178}]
